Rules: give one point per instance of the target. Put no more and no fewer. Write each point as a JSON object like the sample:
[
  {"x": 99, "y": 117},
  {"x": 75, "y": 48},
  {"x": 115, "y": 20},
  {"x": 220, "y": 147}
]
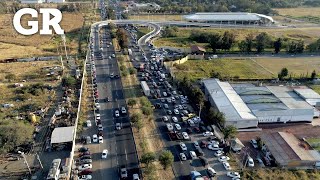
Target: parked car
[
  {"x": 123, "y": 172},
  {"x": 183, "y": 157},
  {"x": 211, "y": 172},
  {"x": 226, "y": 165},
  {"x": 100, "y": 139},
  {"x": 165, "y": 118},
  {"x": 223, "y": 158},
  {"x": 135, "y": 177},
  {"x": 116, "y": 113},
  {"x": 85, "y": 172},
  {"x": 123, "y": 110},
  {"x": 218, "y": 153},
  {"x": 174, "y": 119},
  {"x": 178, "y": 127},
  {"x": 104, "y": 154},
  {"x": 118, "y": 126},
  {"x": 86, "y": 161},
  {"x": 207, "y": 133},
  {"x": 88, "y": 123},
  {"x": 250, "y": 162},
  {"x": 95, "y": 138},
  {"x": 196, "y": 144},
  {"x": 183, "y": 146},
  {"x": 84, "y": 166},
  {"x": 100, "y": 127},
  {"x": 199, "y": 152},
  {"x": 169, "y": 127},
  {"x": 185, "y": 135},
  {"x": 83, "y": 149},
  {"x": 254, "y": 143},
  {"x": 85, "y": 177},
  {"x": 193, "y": 155},
  {"x": 85, "y": 157},
  {"x": 233, "y": 174}
]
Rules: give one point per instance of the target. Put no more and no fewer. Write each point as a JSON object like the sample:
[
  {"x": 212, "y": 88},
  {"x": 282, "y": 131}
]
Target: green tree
[
  {"x": 229, "y": 132},
  {"x": 313, "y": 74},
  {"x": 277, "y": 45},
  {"x": 132, "y": 102},
  {"x": 215, "y": 117},
  {"x": 122, "y": 68},
  {"x": 69, "y": 81},
  {"x": 146, "y": 110},
  {"x": 148, "y": 158},
  {"x": 215, "y": 41},
  {"x": 283, "y": 73},
  {"x": 144, "y": 101},
  {"x": 242, "y": 46},
  {"x": 135, "y": 117},
  {"x": 124, "y": 73},
  {"x": 249, "y": 43},
  {"x": 228, "y": 39},
  {"x": 262, "y": 40},
  {"x": 300, "y": 46},
  {"x": 132, "y": 70},
  {"x": 166, "y": 159},
  {"x": 13, "y": 134},
  {"x": 112, "y": 26},
  {"x": 139, "y": 124}
]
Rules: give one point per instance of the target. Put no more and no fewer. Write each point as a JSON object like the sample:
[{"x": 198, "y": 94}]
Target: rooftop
[
  {"x": 227, "y": 16},
  {"x": 227, "y": 100},
  {"x": 307, "y": 93},
  {"x": 62, "y": 134},
  {"x": 286, "y": 148}
]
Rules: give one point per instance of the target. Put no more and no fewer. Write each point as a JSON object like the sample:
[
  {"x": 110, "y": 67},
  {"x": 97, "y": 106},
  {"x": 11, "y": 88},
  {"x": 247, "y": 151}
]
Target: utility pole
[
  {"x": 25, "y": 160},
  {"x": 64, "y": 43}
]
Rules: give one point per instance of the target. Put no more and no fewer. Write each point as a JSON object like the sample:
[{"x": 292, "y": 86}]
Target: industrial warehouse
[
  {"x": 245, "y": 105},
  {"x": 229, "y": 18}
]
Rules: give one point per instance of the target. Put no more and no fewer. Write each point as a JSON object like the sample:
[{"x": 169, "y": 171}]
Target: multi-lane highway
[{"x": 119, "y": 143}]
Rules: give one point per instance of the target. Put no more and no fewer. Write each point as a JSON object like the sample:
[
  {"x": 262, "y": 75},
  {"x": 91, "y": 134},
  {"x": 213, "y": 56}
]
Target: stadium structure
[{"x": 229, "y": 18}]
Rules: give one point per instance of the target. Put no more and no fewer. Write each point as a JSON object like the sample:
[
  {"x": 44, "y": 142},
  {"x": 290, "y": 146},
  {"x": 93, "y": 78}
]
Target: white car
[
  {"x": 193, "y": 155},
  {"x": 185, "y": 135},
  {"x": 123, "y": 110},
  {"x": 85, "y": 166},
  {"x": 218, "y": 153},
  {"x": 169, "y": 100},
  {"x": 254, "y": 143},
  {"x": 116, "y": 113},
  {"x": 183, "y": 157},
  {"x": 226, "y": 165},
  {"x": 166, "y": 106},
  {"x": 165, "y": 94},
  {"x": 178, "y": 127},
  {"x": 223, "y": 158},
  {"x": 174, "y": 119},
  {"x": 113, "y": 55},
  {"x": 100, "y": 139},
  {"x": 183, "y": 146},
  {"x": 211, "y": 172},
  {"x": 207, "y": 133},
  {"x": 100, "y": 127},
  {"x": 104, "y": 154},
  {"x": 135, "y": 177},
  {"x": 165, "y": 118},
  {"x": 118, "y": 126},
  {"x": 196, "y": 144},
  {"x": 190, "y": 122},
  {"x": 180, "y": 107},
  {"x": 89, "y": 123},
  {"x": 214, "y": 147},
  {"x": 85, "y": 177},
  {"x": 169, "y": 127},
  {"x": 250, "y": 162},
  {"x": 98, "y": 116},
  {"x": 233, "y": 174},
  {"x": 97, "y": 106},
  {"x": 174, "y": 92},
  {"x": 176, "y": 111},
  {"x": 95, "y": 138}
]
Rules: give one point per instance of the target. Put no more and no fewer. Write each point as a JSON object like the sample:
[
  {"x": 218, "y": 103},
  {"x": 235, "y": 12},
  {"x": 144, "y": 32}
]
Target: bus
[{"x": 54, "y": 170}]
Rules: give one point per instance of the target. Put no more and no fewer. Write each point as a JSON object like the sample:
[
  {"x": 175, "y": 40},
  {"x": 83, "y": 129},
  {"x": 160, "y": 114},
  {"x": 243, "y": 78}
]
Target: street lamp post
[{"x": 25, "y": 160}]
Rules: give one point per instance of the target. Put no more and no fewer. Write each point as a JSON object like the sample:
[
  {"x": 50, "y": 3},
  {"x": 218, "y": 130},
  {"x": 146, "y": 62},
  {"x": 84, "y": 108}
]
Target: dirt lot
[
  {"x": 15, "y": 45},
  {"x": 296, "y": 12}
]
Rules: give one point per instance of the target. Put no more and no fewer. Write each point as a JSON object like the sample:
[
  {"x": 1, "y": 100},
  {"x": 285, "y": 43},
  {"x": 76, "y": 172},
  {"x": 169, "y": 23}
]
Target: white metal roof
[
  {"x": 62, "y": 134},
  {"x": 229, "y": 16},
  {"x": 307, "y": 93},
  {"x": 227, "y": 100}
]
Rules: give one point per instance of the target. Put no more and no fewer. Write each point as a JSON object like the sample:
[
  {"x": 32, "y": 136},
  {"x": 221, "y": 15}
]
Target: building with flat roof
[
  {"x": 288, "y": 151},
  {"x": 31, "y": 1},
  {"x": 246, "y": 105},
  {"x": 229, "y": 18}
]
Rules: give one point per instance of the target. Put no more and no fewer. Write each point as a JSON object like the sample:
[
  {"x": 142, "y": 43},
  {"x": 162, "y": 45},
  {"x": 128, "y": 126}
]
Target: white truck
[
  {"x": 145, "y": 88},
  {"x": 130, "y": 52}
]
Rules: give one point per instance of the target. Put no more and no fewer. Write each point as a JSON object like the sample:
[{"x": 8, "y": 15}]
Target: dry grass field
[
  {"x": 298, "y": 12},
  {"x": 157, "y": 17},
  {"x": 15, "y": 45},
  {"x": 296, "y": 66}
]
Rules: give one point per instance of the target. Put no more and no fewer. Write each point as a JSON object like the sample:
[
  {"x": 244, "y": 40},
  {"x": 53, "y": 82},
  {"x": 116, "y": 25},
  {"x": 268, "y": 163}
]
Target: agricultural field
[
  {"x": 298, "y": 12},
  {"x": 182, "y": 35},
  {"x": 246, "y": 68},
  {"x": 17, "y": 46},
  {"x": 314, "y": 142},
  {"x": 157, "y": 17},
  {"x": 238, "y": 68},
  {"x": 296, "y": 66},
  {"x": 265, "y": 174}
]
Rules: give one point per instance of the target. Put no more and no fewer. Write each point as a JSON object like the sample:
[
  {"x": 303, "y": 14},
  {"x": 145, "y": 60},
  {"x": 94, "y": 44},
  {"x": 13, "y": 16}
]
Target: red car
[
  {"x": 85, "y": 172},
  {"x": 100, "y": 133},
  {"x": 197, "y": 130},
  {"x": 84, "y": 153}
]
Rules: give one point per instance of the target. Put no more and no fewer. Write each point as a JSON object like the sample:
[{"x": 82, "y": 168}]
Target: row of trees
[
  {"x": 165, "y": 158},
  {"x": 146, "y": 108},
  {"x": 122, "y": 38},
  {"x": 260, "y": 42},
  {"x": 285, "y": 72}
]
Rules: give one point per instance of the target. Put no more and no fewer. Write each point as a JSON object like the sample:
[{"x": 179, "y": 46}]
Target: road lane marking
[{"x": 125, "y": 151}]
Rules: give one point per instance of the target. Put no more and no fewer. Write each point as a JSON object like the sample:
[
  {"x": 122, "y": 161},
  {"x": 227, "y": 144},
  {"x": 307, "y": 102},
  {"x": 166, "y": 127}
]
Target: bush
[
  {"x": 132, "y": 70},
  {"x": 69, "y": 81},
  {"x": 124, "y": 73},
  {"x": 146, "y": 110},
  {"x": 144, "y": 101}
]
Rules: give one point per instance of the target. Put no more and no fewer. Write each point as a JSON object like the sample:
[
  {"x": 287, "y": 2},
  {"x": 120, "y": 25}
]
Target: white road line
[{"x": 125, "y": 151}]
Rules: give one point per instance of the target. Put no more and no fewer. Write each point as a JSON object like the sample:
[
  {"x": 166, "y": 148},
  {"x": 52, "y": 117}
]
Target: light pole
[{"x": 25, "y": 161}]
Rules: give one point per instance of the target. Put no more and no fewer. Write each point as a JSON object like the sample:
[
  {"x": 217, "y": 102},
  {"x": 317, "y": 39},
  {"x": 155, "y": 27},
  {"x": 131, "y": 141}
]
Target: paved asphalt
[{"x": 119, "y": 143}]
